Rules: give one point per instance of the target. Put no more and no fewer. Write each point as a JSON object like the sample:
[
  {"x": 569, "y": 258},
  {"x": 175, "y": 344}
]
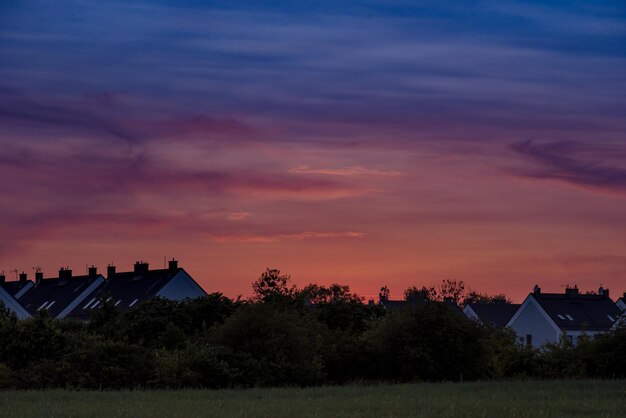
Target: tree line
[{"x": 285, "y": 336}]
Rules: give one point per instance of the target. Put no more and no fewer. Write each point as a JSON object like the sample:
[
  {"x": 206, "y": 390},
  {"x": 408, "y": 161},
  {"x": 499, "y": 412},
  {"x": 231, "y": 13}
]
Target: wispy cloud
[
  {"x": 297, "y": 236},
  {"x": 575, "y": 163},
  {"x": 347, "y": 171}
]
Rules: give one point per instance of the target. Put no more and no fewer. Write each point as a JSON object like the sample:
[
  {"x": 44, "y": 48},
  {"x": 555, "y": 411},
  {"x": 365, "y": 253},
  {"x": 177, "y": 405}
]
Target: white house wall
[
  {"x": 180, "y": 287},
  {"x": 532, "y": 320}
]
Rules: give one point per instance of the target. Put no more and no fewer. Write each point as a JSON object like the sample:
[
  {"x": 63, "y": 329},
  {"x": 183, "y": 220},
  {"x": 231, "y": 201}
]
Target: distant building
[
  {"x": 544, "y": 317},
  {"x": 392, "y": 305},
  {"x": 493, "y": 314},
  {"x": 130, "y": 289},
  {"x": 11, "y": 291},
  {"x": 59, "y": 295}
]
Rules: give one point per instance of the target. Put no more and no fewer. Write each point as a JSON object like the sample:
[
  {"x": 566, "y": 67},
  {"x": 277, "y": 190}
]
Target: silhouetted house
[
  {"x": 392, "y": 305},
  {"x": 129, "y": 289},
  {"x": 60, "y": 295},
  {"x": 494, "y": 314},
  {"x": 544, "y": 317},
  {"x": 621, "y": 303},
  {"x": 10, "y": 291}
]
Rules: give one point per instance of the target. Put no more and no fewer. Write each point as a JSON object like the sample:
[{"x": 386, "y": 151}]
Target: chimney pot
[
  {"x": 3, "y": 278},
  {"x": 23, "y": 277},
  {"x": 537, "y": 289},
  {"x": 38, "y": 277},
  {"x": 173, "y": 264},
  {"x": 93, "y": 271},
  {"x": 571, "y": 291}
]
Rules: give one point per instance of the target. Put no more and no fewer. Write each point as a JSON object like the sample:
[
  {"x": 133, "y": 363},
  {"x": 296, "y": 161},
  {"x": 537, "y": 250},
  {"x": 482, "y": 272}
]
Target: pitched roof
[
  {"x": 392, "y": 305},
  {"x": 576, "y": 311},
  {"x": 496, "y": 314},
  {"x": 9, "y": 302},
  {"x": 56, "y": 294},
  {"x": 14, "y": 287},
  {"x": 620, "y": 323},
  {"x": 126, "y": 290}
]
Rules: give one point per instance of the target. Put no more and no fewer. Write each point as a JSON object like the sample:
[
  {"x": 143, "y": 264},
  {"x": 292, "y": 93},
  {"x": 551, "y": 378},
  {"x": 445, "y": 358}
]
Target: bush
[{"x": 428, "y": 342}]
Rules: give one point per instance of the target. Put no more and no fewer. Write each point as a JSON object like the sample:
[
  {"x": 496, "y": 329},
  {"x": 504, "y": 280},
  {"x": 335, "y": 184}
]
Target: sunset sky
[{"x": 359, "y": 142}]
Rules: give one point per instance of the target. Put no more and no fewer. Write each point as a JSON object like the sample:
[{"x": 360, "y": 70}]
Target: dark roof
[
  {"x": 56, "y": 293},
  {"x": 496, "y": 314},
  {"x": 579, "y": 311},
  {"x": 392, "y": 305},
  {"x": 126, "y": 290},
  {"x": 15, "y": 286}
]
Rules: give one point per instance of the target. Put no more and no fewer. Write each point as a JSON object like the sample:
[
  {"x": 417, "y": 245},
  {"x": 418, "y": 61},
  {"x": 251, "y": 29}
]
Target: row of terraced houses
[
  {"x": 541, "y": 318},
  {"x": 77, "y": 296}
]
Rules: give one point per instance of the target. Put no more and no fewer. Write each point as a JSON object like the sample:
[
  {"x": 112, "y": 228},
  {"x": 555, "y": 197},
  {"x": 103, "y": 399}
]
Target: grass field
[{"x": 493, "y": 399}]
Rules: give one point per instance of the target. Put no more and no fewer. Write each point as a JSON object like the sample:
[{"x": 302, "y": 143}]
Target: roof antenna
[{"x": 16, "y": 271}]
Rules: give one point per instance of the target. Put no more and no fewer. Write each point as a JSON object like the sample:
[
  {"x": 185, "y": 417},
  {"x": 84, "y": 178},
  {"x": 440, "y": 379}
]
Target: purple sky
[{"x": 368, "y": 143}]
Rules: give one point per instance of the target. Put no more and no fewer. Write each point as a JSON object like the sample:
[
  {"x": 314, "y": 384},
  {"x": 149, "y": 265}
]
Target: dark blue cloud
[{"x": 577, "y": 164}]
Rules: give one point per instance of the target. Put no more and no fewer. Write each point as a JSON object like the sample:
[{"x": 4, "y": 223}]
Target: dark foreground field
[{"x": 493, "y": 399}]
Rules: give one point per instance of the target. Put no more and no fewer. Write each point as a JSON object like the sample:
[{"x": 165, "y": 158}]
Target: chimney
[
  {"x": 383, "y": 296},
  {"x": 65, "y": 273},
  {"x": 537, "y": 290},
  {"x": 3, "y": 278},
  {"x": 603, "y": 292},
  {"x": 93, "y": 271},
  {"x": 173, "y": 264},
  {"x": 141, "y": 267},
  {"x": 571, "y": 291},
  {"x": 23, "y": 277},
  {"x": 38, "y": 277},
  {"x": 110, "y": 271}
]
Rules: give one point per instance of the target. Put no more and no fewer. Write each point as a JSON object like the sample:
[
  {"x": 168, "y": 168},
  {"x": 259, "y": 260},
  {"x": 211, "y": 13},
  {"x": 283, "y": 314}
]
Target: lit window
[
  {"x": 569, "y": 317},
  {"x": 43, "y": 306},
  {"x": 118, "y": 302},
  {"x": 50, "y": 304},
  {"x": 95, "y": 305},
  {"x": 109, "y": 299},
  {"x": 611, "y": 318},
  {"x": 133, "y": 302},
  {"x": 561, "y": 317},
  {"x": 89, "y": 303}
]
